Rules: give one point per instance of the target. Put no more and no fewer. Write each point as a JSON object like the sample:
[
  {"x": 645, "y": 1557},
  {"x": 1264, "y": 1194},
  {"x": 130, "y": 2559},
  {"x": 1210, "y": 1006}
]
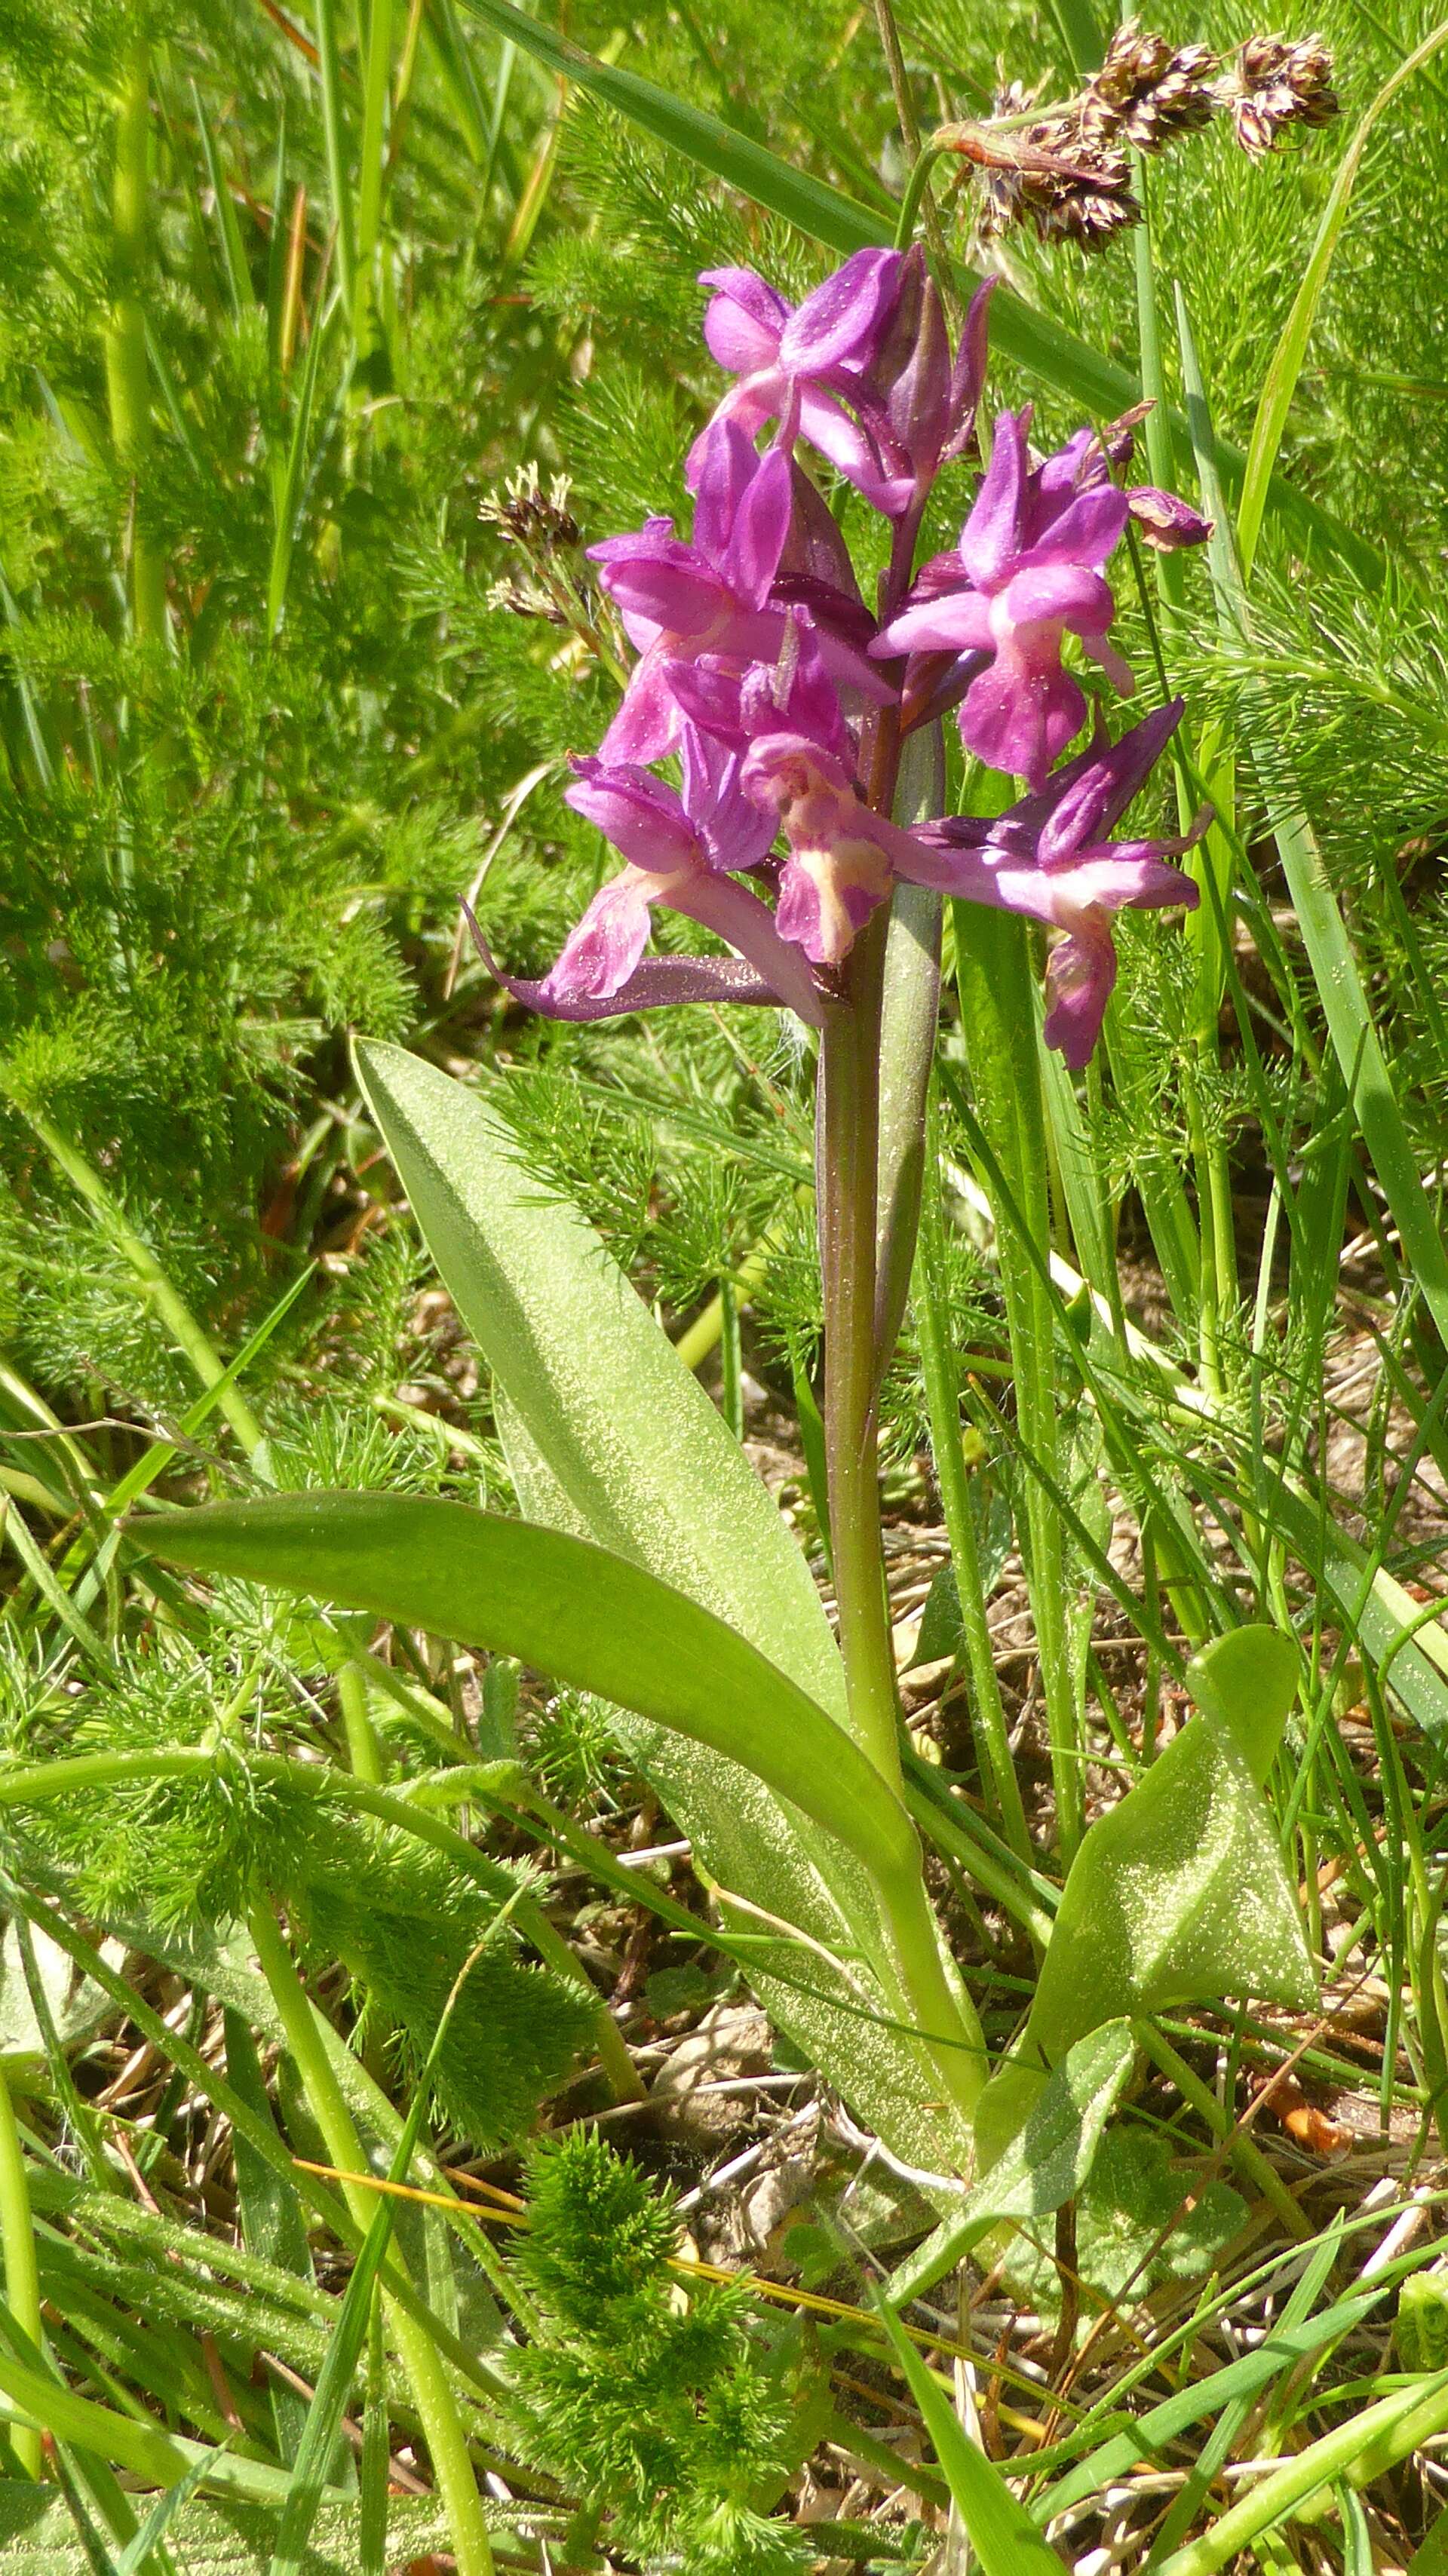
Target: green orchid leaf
[
  {"x": 566, "y": 1607},
  {"x": 609, "y": 1436},
  {"x": 637, "y": 1450},
  {"x": 1045, "y": 2165},
  {"x": 1179, "y": 1894}
]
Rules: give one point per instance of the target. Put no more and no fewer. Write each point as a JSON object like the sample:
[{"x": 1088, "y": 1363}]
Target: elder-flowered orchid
[
  {"x": 1029, "y": 569},
  {"x": 761, "y": 669},
  {"x": 1051, "y": 858},
  {"x": 678, "y": 849},
  {"x": 680, "y": 600},
  {"x": 861, "y": 368}
]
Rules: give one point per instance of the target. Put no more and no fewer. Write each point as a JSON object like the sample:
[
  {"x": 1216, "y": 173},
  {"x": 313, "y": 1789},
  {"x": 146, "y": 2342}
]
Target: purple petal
[
  {"x": 1057, "y": 594},
  {"x": 909, "y": 381},
  {"x": 994, "y": 534},
  {"x": 743, "y": 320},
  {"x": 840, "y": 324},
  {"x": 728, "y": 826},
  {"x": 662, "y": 589},
  {"x": 939, "y": 577},
  {"x": 706, "y": 693},
  {"x": 851, "y": 452},
  {"x": 602, "y": 950},
  {"x": 778, "y": 765},
  {"x": 1021, "y": 718},
  {"x": 1080, "y": 977},
  {"x": 1062, "y": 475},
  {"x": 760, "y": 524},
  {"x": 639, "y": 814},
  {"x": 733, "y": 913},
  {"x": 1125, "y": 876},
  {"x": 647, "y": 724},
  {"x": 727, "y": 468},
  {"x": 796, "y": 695},
  {"x": 1085, "y": 531},
  {"x": 1100, "y": 786},
  {"x": 822, "y": 907},
  {"x": 959, "y": 623},
  {"x": 841, "y": 613},
  {"x": 658, "y": 984},
  {"x": 967, "y": 381}
]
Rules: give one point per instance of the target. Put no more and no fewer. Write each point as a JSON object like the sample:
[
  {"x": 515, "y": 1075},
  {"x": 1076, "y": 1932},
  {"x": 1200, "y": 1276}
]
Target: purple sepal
[{"x": 658, "y": 984}]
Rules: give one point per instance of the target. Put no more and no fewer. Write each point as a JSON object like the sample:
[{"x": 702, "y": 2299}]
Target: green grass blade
[
  {"x": 138, "y": 2553},
  {"x": 1286, "y": 366},
  {"x": 1004, "y": 2537},
  {"x": 335, "y": 133},
  {"x": 1340, "y": 987},
  {"x": 329, "y": 2400}
]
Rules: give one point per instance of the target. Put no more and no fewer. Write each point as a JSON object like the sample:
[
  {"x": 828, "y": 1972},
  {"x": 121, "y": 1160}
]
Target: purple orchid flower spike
[
  {"x": 800, "y": 364},
  {"x": 1050, "y": 857},
  {"x": 677, "y": 850},
  {"x": 1029, "y": 571},
  {"x": 680, "y": 601}
]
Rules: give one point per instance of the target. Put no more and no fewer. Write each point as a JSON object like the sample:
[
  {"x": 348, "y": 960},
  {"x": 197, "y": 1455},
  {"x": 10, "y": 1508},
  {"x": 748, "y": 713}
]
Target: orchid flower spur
[
  {"x": 1050, "y": 857},
  {"x": 681, "y": 600}
]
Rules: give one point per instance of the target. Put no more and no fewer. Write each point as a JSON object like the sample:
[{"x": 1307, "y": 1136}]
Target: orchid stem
[
  {"x": 847, "y": 1149},
  {"x": 849, "y": 1111}
]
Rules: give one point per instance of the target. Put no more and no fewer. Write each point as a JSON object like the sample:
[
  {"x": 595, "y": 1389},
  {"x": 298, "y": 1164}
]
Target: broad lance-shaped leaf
[
  {"x": 610, "y": 1436},
  {"x": 1179, "y": 1894},
  {"x": 569, "y": 1609},
  {"x": 636, "y": 1448},
  {"x": 1045, "y": 2164}
]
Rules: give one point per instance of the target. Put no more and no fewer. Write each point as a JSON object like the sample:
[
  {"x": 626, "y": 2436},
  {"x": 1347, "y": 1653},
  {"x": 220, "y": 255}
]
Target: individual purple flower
[
  {"x": 1050, "y": 857},
  {"x": 683, "y": 600},
  {"x": 677, "y": 849},
  {"x": 843, "y": 857},
  {"x": 797, "y": 364},
  {"x": 1029, "y": 571},
  {"x": 861, "y": 368}
]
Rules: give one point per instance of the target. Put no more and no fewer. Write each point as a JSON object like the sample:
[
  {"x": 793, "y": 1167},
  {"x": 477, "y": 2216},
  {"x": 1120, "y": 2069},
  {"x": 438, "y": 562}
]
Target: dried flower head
[
  {"x": 1149, "y": 89},
  {"x": 1273, "y": 85},
  {"x": 527, "y": 516},
  {"x": 1071, "y": 183}
]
